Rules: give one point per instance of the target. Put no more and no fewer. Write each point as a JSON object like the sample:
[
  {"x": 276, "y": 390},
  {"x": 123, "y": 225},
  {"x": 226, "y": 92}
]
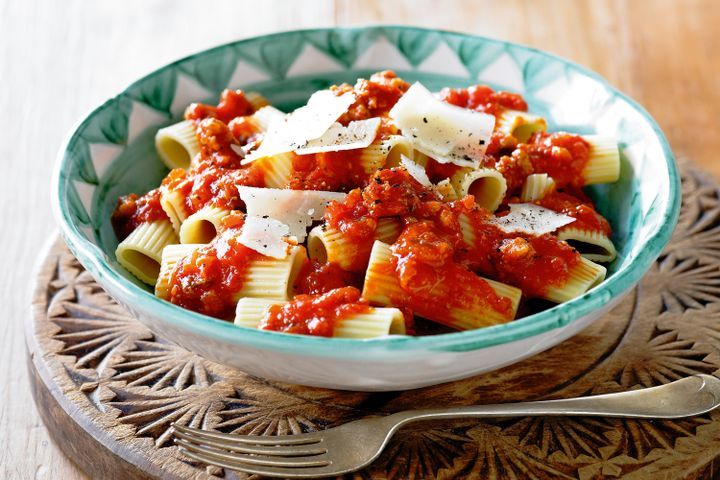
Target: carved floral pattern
[{"x": 670, "y": 329}]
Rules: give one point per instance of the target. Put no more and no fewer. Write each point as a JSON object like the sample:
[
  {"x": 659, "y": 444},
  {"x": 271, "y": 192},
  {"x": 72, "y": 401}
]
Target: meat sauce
[
  {"x": 208, "y": 281},
  {"x": 430, "y": 259},
  {"x": 232, "y": 104},
  {"x": 214, "y": 177},
  {"x": 433, "y": 284},
  {"x": 328, "y": 171},
  {"x": 315, "y": 314},
  {"x": 431, "y": 249},
  {"x": 530, "y": 262},
  {"x": 579, "y": 207},
  {"x": 316, "y": 278},
  {"x": 483, "y": 99},
  {"x": 374, "y": 97},
  {"x": 132, "y": 211}
]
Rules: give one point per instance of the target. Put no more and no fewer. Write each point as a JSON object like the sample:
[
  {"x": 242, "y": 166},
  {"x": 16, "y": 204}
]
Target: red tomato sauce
[
  {"x": 582, "y": 209},
  {"x": 390, "y": 192},
  {"x": 318, "y": 278},
  {"x": 433, "y": 284},
  {"x": 328, "y": 171},
  {"x": 208, "y": 280},
  {"x": 530, "y": 262},
  {"x": 515, "y": 168},
  {"x": 315, "y": 314},
  {"x": 206, "y": 185},
  {"x": 436, "y": 269},
  {"x": 438, "y": 172},
  {"x": 244, "y": 130},
  {"x": 501, "y": 144},
  {"x": 215, "y": 139},
  {"x": 483, "y": 99},
  {"x": 561, "y": 155},
  {"x": 374, "y": 97},
  {"x": 131, "y": 211},
  {"x": 232, "y": 104}
]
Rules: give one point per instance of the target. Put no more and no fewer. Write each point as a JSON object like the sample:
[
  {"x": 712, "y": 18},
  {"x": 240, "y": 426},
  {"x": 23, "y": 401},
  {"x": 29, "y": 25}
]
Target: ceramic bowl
[{"x": 111, "y": 153}]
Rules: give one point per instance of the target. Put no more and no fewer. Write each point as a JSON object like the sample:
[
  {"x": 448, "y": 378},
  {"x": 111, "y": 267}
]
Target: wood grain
[
  {"x": 58, "y": 59},
  {"x": 125, "y": 386}
]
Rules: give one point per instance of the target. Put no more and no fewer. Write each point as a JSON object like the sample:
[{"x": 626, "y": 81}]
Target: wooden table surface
[{"x": 59, "y": 59}]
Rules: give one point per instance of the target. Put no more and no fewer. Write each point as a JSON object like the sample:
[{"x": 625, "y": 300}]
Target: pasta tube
[
  {"x": 583, "y": 277},
  {"x": 536, "y": 186},
  {"x": 277, "y": 169},
  {"x": 263, "y": 116},
  {"x": 177, "y": 144},
  {"x": 273, "y": 278},
  {"x": 520, "y": 125},
  {"x": 603, "y": 166},
  {"x": 141, "y": 252},
  {"x": 595, "y": 246},
  {"x": 378, "y": 322},
  {"x": 256, "y": 100},
  {"x": 171, "y": 254},
  {"x": 382, "y": 287},
  {"x": 327, "y": 244},
  {"x": 202, "y": 226},
  {"x": 385, "y": 153},
  {"x": 487, "y": 185},
  {"x": 173, "y": 204}
]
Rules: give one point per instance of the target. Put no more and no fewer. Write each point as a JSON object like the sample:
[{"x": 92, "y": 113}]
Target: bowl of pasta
[{"x": 375, "y": 208}]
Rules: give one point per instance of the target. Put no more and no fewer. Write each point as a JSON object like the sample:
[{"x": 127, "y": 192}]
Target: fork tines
[{"x": 283, "y": 455}]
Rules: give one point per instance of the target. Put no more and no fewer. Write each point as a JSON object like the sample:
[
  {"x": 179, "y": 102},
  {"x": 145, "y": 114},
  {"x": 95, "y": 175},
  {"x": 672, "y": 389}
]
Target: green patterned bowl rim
[{"x": 92, "y": 258}]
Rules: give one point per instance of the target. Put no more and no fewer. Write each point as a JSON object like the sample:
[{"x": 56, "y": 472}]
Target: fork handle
[{"x": 682, "y": 398}]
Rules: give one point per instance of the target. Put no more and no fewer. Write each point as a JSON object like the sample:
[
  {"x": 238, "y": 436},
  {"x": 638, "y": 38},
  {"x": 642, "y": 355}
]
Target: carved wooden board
[{"x": 108, "y": 389}]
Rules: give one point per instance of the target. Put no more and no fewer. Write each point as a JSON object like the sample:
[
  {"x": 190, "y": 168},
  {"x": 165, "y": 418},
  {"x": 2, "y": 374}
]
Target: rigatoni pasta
[
  {"x": 171, "y": 255},
  {"x": 177, "y": 144},
  {"x": 520, "y": 125},
  {"x": 603, "y": 166},
  {"x": 141, "y": 252},
  {"x": 582, "y": 277},
  {"x": 486, "y": 185},
  {"x": 382, "y": 286},
  {"x": 328, "y": 244},
  {"x": 203, "y": 225},
  {"x": 385, "y": 152},
  {"x": 592, "y": 244},
  {"x": 536, "y": 186},
  {"x": 373, "y": 207},
  {"x": 373, "y": 323}
]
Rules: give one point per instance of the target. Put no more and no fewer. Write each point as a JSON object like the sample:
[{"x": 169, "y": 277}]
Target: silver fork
[{"x": 354, "y": 445}]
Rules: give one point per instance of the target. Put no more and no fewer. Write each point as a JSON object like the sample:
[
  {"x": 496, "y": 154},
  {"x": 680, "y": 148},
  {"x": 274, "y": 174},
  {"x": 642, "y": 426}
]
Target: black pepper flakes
[{"x": 425, "y": 120}]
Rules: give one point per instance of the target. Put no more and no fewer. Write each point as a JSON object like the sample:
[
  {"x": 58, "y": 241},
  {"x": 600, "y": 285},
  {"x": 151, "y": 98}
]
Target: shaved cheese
[
  {"x": 296, "y": 129},
  {"x": 237, "y": 149},
  {"x": 358, "y": 134},
  {"x": 416, "y": 171},
  {"x": 445, "y": 132},
  {"x": 532, "y": 219},
  {"x": 297, "y": 209},
  {"x": 265, "y": 236}
]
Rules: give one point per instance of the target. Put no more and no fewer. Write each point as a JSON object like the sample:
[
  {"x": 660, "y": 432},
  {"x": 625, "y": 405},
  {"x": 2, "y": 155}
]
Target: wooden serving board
[{"x": 108, "y": 389}]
